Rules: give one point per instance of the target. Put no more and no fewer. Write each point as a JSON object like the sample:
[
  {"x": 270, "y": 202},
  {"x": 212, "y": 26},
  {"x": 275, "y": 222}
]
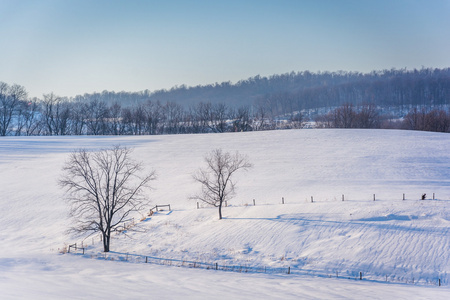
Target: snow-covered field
[{"x": 406, "y": 240}]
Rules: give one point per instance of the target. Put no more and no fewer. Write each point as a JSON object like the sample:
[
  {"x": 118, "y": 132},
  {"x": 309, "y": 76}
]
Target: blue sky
[{"x": 73, "y": 47}]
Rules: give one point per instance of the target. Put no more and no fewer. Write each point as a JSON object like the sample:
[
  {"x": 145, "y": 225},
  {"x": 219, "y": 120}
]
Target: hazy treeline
[
  {"x": 369, "y": 116},
  {"x": 389, "y": 88},
  {"x": 54, "y": 115},
  {"x": 259, "y": 103},
  {"x": 305, "y": 90}
]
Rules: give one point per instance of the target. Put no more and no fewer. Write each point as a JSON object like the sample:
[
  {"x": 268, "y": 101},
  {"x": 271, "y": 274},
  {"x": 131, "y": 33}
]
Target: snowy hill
[{"x": 405, "y": 240}]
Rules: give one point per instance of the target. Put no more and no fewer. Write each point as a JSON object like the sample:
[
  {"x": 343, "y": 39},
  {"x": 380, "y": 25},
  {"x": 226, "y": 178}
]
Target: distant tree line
[
  {"x": 54, "y": 115},
  {"x": 369, "y": 116},
  {"x": 297, "y": 91},
  {"x": 333, "y": 99}
]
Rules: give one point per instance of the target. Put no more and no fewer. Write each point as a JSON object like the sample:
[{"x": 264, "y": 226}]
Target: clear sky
[{"x": 72, "y": 47}]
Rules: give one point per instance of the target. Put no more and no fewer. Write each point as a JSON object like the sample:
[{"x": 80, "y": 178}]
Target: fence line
[
  {"x": 352, "y": 275},
  {"x": 343, "y": 197}
]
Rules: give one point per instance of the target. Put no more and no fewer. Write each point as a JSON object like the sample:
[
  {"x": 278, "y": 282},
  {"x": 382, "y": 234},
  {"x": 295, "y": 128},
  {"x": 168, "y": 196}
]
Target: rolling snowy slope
[{"x": 404, "y": 239}]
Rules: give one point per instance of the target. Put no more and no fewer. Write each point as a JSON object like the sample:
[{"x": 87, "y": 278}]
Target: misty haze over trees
[{"x": 407, "y": 99}]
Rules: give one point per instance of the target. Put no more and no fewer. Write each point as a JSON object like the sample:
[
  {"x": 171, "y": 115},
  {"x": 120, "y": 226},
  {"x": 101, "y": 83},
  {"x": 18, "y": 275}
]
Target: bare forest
[{"x": 402, "y": 99}]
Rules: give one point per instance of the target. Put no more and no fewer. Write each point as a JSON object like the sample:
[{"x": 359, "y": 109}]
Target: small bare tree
[
  {"x": 104, "y": 187},
  {"x": 216, "y": 178}
]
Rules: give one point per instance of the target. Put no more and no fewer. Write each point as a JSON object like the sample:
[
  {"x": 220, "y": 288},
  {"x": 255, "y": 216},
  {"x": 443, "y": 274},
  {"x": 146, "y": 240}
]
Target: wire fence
[
  {"x": 333, "y": 198},
  {"x": 243, "y": 268}
]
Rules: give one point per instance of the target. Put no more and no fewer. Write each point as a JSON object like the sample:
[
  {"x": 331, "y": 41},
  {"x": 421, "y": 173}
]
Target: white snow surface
[{"x": 325, "y": 243}]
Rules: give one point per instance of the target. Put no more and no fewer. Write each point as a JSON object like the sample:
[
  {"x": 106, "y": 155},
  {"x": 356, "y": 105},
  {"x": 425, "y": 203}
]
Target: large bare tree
[
  {"x": 217, "y": 178},
  {"x": 104, "y": 188}
]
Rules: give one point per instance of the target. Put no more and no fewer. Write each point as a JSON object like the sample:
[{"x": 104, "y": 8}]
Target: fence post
[
  {"x": 289, "y": 270},
  {"x": 360, "y": 275},
  {"x": 342, "y": 197},
  {"x": 226, "y": 203},
  {"x": 197, "y": 205},
  {"x": 282, "y": 200},
  {"x": 439, "y": 282},
  {"x": 403, "y": 196},
  {"x": 433, "y": 196},
  {"x": 217, "y": 266},
  {"x": 146, "y": 259},
  {"x": 312, "y": 200},
  {"x": 373, "y": 197},
  {"x": 169, "y": 208},
  {"x": 254, "y": 202}
]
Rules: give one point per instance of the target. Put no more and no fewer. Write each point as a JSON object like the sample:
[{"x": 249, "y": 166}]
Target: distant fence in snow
[
  {"x": 353, "y": 275},
  {"x": 342, "y": 197},
  {"x": 137, "y": 258}
]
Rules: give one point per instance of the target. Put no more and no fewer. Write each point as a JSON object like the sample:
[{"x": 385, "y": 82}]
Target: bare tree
[
  {"x": 344, "y": 116},
  {"x": 31, "y": 116},
  {"x": 115, "y": 111},
  {"x": 216, "y": 179},
  {"x": 260, "y": 117},
  {"x": 104, "y": 188},
  {"x": 56, "y": 114},
  {"x": 96, "y": 117},
  {"x": 10, "y": 97},
  {"x": 218, "y": 117},
  {"x": 241, "y": 119},
  {"x": 367, "y": 117}
]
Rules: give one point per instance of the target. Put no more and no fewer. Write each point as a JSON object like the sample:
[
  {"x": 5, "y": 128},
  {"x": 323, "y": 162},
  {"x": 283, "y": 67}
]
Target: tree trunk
[
  {"x": 106, "y": 239},
  {"x": 220, "y": 210}
]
